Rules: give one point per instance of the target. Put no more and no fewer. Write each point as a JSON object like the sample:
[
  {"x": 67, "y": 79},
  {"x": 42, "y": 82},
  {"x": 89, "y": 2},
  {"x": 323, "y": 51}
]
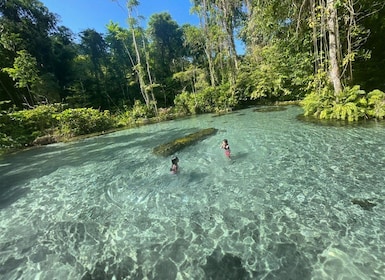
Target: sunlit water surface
[{"x": 297, "y": 201}]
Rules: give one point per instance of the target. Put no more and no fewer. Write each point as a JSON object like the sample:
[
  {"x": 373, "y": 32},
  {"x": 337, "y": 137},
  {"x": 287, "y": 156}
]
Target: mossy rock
[
  {"x": 180, "y": 143},
  {"x": 270, "y": 109}
]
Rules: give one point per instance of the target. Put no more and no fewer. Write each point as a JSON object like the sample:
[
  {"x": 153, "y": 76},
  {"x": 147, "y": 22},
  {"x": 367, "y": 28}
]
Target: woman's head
[{"x": 174, "y": 160}]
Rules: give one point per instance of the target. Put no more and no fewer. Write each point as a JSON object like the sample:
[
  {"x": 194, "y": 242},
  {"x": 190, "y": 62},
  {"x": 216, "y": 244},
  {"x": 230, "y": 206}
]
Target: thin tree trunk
[
  {"x": 314, "y": 37},
  {"x": 150, "y": 77},
  {"x": 211, "y": 67},
  {"x": 139, "y": 71},
  {"x": 138, "y": 66},
  {"x": 351, "y": 25},
  {"x": 334, "y": 72},
  {"x": 323, "y": 39},
  {"x": 208, "y": 44}
]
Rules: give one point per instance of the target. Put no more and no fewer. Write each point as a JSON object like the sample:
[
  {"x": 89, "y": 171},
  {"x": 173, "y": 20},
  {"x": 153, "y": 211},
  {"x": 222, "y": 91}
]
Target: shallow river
[{"x": 296, "y": 201}]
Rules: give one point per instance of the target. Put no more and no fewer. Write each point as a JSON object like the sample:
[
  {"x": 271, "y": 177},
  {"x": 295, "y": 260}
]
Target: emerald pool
[{"x": 296, "y": 201}]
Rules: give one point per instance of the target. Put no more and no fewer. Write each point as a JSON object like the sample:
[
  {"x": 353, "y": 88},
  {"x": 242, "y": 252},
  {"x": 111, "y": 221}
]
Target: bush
[
  {"x": 376, "y": 104},
  {"x": 131, "y": 116},
  {"x": 39, "y": 119},
  {"x": 6, "y": 128},
  {"x": 210, "y": 99},
  {"x": 6, "y": 143},
  {"x": 139, "y": 110},
  {"x": 124, "y": 119},
  {"x": 185, "y": 103},
  {"x": 21, "y": 128},
  {"x": 75, "y": 122},
  {"x": 351, "y": 104}
]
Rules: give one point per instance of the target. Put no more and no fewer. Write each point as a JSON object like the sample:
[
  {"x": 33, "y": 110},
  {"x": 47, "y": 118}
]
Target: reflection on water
[{"x": 297, "y": 201}]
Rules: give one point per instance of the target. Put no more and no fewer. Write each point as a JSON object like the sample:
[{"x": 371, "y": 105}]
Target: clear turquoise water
[{"x": 280, "y": 209}]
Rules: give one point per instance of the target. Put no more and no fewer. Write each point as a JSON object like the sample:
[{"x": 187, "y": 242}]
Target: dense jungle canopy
[{"x": 328, "y": 54}]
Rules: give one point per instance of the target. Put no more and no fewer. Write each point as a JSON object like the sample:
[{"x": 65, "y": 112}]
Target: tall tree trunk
[
  {"x": 202, "y": 11},
  {"x": 314, "y": 37},
  {"x": 227, "y": 15},
  {"x": 211, "y": 65},
  {"x": 204, "y": 21},
  {"x": 131, "y": 4},
  {"x": 351, "y": 25},
  {"x": 139, "y": 70},
  {"x": 151, "y": 87},
  {"x": 334, "y": 72}
]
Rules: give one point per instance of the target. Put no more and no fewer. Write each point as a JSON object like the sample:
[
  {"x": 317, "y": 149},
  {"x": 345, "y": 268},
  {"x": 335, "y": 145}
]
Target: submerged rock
[
  {"x": 270, "y": 109},
  {"x": 364, "y": 203},
  {"x": 180, "y": 143},
  {"x": 225, "y": 266}
]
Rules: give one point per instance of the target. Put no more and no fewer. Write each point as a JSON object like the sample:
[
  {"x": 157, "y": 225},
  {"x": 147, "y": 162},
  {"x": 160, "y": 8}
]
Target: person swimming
[
  {"x": 174, "y": 165},
  {"x": 225, "y": 145}
]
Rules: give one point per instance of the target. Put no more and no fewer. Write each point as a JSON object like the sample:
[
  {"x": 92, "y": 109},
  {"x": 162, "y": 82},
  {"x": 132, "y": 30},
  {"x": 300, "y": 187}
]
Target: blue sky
[{"x": 79, "y": 15}]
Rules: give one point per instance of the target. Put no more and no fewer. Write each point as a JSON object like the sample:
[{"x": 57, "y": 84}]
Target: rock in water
[{"x": 170, "y": 148}]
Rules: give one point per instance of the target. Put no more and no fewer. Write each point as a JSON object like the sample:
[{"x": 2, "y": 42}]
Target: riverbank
[{"x": 55, "y": 135}]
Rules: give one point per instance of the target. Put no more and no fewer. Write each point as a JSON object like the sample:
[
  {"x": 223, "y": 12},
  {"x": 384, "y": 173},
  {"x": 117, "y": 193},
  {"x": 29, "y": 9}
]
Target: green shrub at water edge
[
  {"x": 376, "y": 104},
  {"x": 208, "y": 100},
  {"x": 351, "y": 104},
  {"x": 81, "y": 121},
  {"x": 20, "y": 128},
  {"x": 49, "y": 123},
  {"x": 138, "y": 114}
]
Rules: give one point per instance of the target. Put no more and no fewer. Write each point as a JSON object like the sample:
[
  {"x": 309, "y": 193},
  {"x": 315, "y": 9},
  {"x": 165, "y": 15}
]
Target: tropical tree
[
  {"x": 64, "y": 51},
  {"x": 142, "y": 70},
  {"x": 166, "y": 45},
  {"x": 25, "y": 26},
  {"x": 121, "y": 76},
  {"x": 25, "y": 74},
  {"x": 89, "y": 71}
]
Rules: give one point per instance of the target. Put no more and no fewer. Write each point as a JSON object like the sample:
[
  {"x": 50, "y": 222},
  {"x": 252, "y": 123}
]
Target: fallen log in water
[{"x": 170, "y": 148}]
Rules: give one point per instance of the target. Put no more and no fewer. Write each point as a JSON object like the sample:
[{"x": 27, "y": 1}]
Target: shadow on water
[
  {"x": 238, "y": 156},
  {"x": 9, "y": 195},
  {"x": 17, "y": 169}
]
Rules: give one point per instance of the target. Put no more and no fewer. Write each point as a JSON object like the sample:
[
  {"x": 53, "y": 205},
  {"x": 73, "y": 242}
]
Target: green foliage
[
  {"x": 39, "y": 119},
  {"x": 24, "y": 70},
  {"x": 274, "y": 72},
  {"x": 209, "y": 99},
  {"x": 138, "y": 115},
  {"x": 184, "y": 103},
  {"x": 124, "y": 119},
  {"x": 75, "y": 122},
  {"x": 6, "y": 141},
  {"x": 20, "y": 128},
  {"x": 376, "y": 104},
  {"x": 140, "y": 110},
  {"x": 351, "y": 104},
  {"x": 166, "y": 45}
]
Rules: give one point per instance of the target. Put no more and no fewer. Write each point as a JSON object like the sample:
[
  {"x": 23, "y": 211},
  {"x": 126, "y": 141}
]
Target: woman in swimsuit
[
  {"x": 226, "y": 147},
  {"x": 174, "y": 165}
]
